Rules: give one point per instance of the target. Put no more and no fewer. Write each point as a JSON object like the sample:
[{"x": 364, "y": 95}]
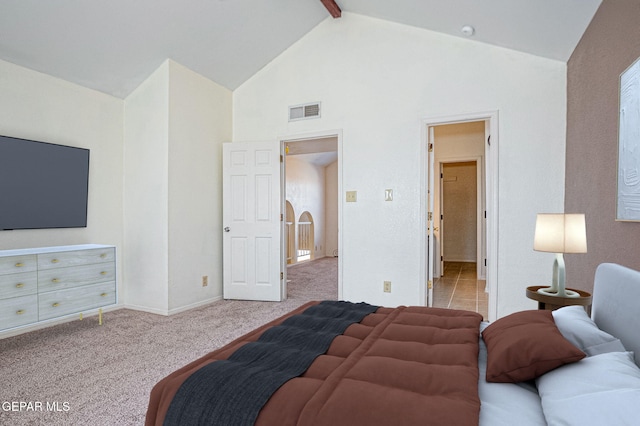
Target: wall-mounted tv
[{"x": 42, "y": 185}]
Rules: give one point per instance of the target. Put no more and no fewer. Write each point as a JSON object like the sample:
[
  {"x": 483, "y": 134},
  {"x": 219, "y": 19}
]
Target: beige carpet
[{"x": 80, "y": 373}]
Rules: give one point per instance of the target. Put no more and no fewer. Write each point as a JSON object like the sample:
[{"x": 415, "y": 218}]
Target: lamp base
[
  {"x": 557, "y": 288},
  {"x": 550, "y": 291}
]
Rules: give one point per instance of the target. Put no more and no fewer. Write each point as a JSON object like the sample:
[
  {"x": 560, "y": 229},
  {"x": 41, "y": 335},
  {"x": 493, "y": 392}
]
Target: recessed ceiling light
[{"x": 468, "y": 30}]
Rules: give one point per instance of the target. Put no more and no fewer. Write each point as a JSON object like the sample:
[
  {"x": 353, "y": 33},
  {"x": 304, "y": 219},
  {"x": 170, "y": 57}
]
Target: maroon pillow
[{"x": 525, "y": 345}]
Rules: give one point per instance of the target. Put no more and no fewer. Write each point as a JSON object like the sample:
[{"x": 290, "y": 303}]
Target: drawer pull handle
[
  {"x": 55, "y": 280},
  {"x": 54, "y": 261},
  {"x": 104, "y": 294},
  {"x": 55, "y": 305},
  {"x": 103, "y": 255},
  {"x": 103, "y": 273},
  {"x": 19, "y": 265},
  {"x": 20, "y": 312},
  {"x": 19, "y": 285}
]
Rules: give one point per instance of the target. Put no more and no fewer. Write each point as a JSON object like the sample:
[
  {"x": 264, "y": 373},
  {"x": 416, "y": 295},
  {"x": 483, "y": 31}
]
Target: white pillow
[
  {"x": 598, "y": 390},
  {"x": 576, "y": 326}
]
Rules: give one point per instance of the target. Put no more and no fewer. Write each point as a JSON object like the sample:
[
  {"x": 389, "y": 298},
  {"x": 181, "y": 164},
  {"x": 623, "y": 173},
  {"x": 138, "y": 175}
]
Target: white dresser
[{"x": 46, "y": 283}]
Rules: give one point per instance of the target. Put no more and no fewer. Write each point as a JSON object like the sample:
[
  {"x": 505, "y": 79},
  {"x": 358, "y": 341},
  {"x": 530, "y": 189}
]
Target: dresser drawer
[
  {"x": 62, "y": 278},
  {"x": 18, "y": 311},
  {"x": 64, "y": 259},
  {"x": 14, "y": 285},
  {"x": 17, "y": 264},
  {"x": 75, "y": 300}
]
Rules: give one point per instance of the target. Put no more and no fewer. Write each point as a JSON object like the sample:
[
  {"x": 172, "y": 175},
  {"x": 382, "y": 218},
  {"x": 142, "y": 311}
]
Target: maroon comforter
[{"x": 406, "y": 365}]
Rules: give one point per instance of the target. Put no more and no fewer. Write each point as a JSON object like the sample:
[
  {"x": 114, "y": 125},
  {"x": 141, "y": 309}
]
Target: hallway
[{"x": 459, "y": 288}]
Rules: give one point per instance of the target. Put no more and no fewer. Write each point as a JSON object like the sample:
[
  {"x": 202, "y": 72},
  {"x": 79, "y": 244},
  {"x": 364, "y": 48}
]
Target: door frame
[
  {"x": 300, "y": 137},
  {"x": 491, "y": 178}
]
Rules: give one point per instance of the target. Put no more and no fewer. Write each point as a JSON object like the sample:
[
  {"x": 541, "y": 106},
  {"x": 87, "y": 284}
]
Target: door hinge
[
  {"x": 281, "y": 275},
  {"x": 430, "y": 147},
  {"x": 281, "y": 158},
  {"x": 441, "y": 258},
  {"x": 281, "y": 217},
  {"x": 429, "y": 284},
  {"x": 430, "y": 216}
]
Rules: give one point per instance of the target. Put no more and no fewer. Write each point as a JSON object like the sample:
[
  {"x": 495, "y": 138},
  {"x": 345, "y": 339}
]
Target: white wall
[
  {"x": 43, "y": 108},
  {"x": 175, "y": 123},
  {"x": 377, "y": 82},
  {"x": 199, "y": 121},
  {"x": 155, "y": 176},
  {"x": 146, "y": 130}
]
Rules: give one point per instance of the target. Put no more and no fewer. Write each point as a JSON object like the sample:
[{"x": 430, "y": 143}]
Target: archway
[{"x": 305, "y": 237}]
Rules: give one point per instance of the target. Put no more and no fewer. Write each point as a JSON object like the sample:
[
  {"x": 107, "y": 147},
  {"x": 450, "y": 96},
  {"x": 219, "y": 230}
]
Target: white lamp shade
[{"x": 560, "y": 233}]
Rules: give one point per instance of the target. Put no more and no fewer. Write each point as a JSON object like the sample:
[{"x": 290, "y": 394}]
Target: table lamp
[{"x": 560, "y": 233}]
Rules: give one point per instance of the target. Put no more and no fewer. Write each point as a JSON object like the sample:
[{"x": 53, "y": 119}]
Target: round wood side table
[{"x": 551, "y": 303}]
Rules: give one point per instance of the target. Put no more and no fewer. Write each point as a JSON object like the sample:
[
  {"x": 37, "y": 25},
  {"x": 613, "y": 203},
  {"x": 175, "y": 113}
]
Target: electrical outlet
[
  {"x": 387, "y": 287},
  {"x": 205, "y": 280},
  {"x": 352, "y": 196}
]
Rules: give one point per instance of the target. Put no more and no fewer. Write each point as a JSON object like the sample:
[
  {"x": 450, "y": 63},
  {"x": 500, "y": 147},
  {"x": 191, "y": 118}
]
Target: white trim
[
  {"x": 163, "y": 312},
  {"x": 169, "y": 312},
  {"x": 195, "y": 305},
  {"x": 492, "y": 191},
  {"x": 337, "y": 133}
]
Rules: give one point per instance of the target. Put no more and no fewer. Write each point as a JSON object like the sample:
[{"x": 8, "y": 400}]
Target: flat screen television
[{"x": 42, "y": 185}]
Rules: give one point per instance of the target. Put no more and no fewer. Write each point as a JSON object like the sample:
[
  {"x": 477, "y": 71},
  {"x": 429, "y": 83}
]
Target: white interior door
[{"x": 251, "y": 217}]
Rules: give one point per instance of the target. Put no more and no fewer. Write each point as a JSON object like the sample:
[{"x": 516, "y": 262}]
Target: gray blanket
[{"x": 233, "y": 391}]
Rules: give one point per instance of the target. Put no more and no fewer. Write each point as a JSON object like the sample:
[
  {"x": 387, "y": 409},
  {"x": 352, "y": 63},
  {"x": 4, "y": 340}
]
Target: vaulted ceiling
[{"x": 112, "y": 46}]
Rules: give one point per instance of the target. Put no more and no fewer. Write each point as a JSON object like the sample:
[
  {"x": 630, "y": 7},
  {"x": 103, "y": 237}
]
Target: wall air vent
[{"x": 304, "y": 112}]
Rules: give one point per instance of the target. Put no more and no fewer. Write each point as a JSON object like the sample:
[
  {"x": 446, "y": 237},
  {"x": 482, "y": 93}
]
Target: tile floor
[{"x": 459, "y": 288}]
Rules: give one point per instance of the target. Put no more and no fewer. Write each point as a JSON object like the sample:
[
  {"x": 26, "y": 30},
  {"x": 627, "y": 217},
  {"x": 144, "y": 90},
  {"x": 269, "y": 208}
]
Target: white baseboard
[
  {"x": 174, "y": 311},
  {"x": 195, "y": 305},
  {"x": 146, "y": 309}
]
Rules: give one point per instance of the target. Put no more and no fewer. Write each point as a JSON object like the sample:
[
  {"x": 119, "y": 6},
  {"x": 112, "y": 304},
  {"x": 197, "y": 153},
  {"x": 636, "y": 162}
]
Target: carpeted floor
[{"x": 80, "y": 373}]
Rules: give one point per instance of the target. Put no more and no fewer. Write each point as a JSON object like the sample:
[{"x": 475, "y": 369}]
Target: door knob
[{"x": 227, "y": 229}]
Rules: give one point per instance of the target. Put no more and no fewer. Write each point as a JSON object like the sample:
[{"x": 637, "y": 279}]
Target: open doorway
[
  {"x": 311, "y": 191},
  {"x": 460, "y": 166},
  {"x": 461, "y": 224}
]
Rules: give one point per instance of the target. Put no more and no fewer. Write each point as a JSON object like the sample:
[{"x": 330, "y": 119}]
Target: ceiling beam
[{"x": 332, "y": 7}]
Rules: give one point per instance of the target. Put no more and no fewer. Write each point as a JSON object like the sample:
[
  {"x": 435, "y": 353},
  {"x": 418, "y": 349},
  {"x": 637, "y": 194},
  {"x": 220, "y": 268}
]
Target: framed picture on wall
[{"x": 628, "y": 196}]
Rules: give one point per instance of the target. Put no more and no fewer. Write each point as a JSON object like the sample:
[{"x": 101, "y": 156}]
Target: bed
[{"x": 333, "y": 363}]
